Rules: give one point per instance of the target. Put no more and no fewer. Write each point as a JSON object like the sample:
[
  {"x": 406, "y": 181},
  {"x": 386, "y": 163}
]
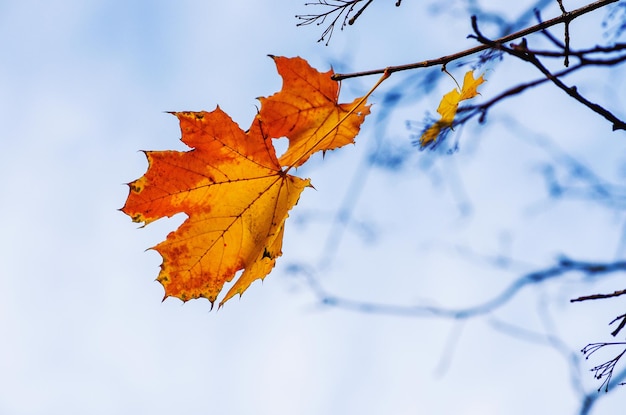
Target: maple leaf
[
  {"x": 307, "y": 112},
  {"x": 449, "y": 105},
  {"x": 234, "y": 190},
  {"x": 236, "y": 197}
]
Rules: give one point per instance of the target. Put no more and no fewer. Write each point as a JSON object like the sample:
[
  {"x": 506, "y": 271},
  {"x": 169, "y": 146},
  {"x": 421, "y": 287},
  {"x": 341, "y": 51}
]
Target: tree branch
[
  {"x": 444, "y": 60},
  {"x": 598, "y": 296},
  {"x": 522, "y": 52},
  {"x": 562, "y": 267},
  {"x": 605, "y": 370},
  {"x": 340, "y": 7}
]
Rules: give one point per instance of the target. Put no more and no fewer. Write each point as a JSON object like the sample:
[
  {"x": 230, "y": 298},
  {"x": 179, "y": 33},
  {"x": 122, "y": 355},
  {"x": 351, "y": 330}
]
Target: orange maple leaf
[
  {"x": 449, "y": 105},
  {"x": 307, "y": 112},
  {"x": 232, "y": 187},
  {"x": 236, "y": 197}
]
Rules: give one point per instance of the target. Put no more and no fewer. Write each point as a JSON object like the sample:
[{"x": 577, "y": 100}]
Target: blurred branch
[
  {"x": 590, "y": 399},
  {"x": 567, "y": 177},
  {"x": 548, "y": 337},
  {"x": 573, "y": 60},
  {"x": 561, "y": 268}
]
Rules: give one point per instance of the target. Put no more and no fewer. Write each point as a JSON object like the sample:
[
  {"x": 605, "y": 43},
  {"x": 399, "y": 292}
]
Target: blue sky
[{"x": 85, "y": 86}]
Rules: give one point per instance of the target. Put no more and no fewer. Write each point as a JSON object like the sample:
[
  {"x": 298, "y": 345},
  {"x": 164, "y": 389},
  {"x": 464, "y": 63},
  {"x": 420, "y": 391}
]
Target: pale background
[{"x": 84, "y": 85}]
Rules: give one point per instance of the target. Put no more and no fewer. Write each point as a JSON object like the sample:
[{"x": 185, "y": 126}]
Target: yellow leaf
[{"x": 449, "y": 105}]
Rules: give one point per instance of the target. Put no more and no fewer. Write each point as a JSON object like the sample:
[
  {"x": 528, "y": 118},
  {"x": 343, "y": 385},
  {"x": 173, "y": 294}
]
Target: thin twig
[
  {"x": 566, "y": 23},
  {"x": 620, "y": 326},
  {"x": 357, "y": 14},
  {"x": 341, "y": 7},
  {"x": 598, "y": 296},
  {"x": 606, "y": 369}
]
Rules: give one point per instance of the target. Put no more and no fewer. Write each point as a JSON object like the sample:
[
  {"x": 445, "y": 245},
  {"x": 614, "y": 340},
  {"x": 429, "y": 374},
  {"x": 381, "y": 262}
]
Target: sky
[{"x": 85, "y": 86}]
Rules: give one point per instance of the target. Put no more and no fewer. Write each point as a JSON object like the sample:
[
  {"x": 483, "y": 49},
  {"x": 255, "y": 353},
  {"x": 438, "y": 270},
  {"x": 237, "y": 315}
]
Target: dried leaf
[
  {"x": 449, "y": 105},
  {"x": 307, "y": 112},
  {"x": 235, "y": 195},
  {"x": 235, "y": 192}
]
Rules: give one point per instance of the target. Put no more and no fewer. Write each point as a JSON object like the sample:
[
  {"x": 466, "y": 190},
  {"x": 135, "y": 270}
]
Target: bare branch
[
  {"x": 444, "y": 60},
  {"x": 338, "y": 8},
  {"x": 620, "y": 326},
  {"x": 561, "y": 268},
  {"x": 598, "y": 296},
  {"x": 566, "y": 23},
  {"x": 605, "y": 370},
  {"x": 522, "y": 52}
]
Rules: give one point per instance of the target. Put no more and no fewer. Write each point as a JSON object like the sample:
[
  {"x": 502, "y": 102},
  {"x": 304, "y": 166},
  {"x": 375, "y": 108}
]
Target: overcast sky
[{"x": 84, "y": 85}]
